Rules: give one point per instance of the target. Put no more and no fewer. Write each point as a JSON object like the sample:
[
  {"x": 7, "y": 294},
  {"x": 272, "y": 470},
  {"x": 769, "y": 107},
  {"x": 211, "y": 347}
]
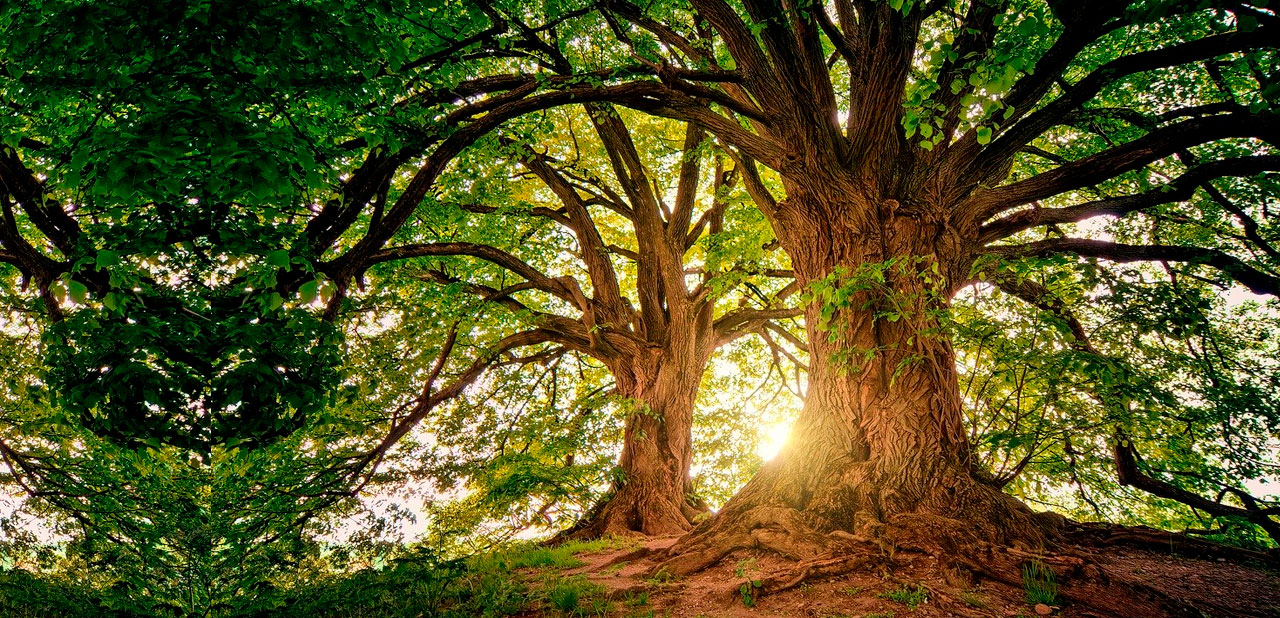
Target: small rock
[{"x": 1043, "y": 610}]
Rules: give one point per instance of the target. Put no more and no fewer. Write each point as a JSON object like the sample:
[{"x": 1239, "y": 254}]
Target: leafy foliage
[{"x": 214, "y": 365}]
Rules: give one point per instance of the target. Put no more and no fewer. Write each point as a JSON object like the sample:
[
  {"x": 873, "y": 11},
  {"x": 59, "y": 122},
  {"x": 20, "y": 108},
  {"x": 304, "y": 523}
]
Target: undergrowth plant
[{"x": 911, "y": 596}]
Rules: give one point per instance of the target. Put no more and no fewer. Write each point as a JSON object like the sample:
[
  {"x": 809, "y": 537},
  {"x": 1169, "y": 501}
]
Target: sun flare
[{"x": 772, "y": 438}]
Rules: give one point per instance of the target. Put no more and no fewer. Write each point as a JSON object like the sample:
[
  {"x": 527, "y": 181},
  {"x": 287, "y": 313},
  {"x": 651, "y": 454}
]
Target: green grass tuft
[
  {"x": 1039, "y": 584},
  {"x": 973, "y": 599},
  {"x": 576, "y": 596}
]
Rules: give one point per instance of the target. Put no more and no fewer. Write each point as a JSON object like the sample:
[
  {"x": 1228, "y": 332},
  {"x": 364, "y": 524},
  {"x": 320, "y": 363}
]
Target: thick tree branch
[
  {"x": 1127, "y": 470},
  {"x": 557, "y": 286},
  {"x": 1038, "y": 296},
  {"x": 996, "y": 156},
  {"x": 1259, "y": 282},
  {"x": 1091, "y": 170},
  {"x": 1179, "y": 189},
  {"x": 734, "y": 324},
  {"x": 604, "y": 281}
]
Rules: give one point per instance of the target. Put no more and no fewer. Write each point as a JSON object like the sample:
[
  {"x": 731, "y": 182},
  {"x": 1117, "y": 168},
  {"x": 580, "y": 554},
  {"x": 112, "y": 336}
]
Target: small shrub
[
  {"x": 748, "y": 592},
  {"x": 1039, "y": 585},
  {"x": 497, "y": 593}
]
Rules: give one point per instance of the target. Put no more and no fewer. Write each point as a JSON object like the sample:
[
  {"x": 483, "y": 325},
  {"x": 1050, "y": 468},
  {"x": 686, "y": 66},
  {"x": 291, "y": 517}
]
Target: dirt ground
[{"x": 1115, "y": 582}]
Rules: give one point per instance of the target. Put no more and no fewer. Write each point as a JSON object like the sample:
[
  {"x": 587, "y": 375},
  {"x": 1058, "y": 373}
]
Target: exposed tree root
[
  {"x": 1101, "y": 534},
  {"x": 966, "y": 516},
  {"x": 631, "y": 556},
  {"x": 779, "y": 529},
  {"x": 962, "y": 557},
  {"x": 816, "y": 569},
  {"x": 626, "y": 513}
]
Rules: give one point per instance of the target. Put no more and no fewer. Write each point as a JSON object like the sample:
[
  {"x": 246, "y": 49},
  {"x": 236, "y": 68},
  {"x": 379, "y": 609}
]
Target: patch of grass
[
  {"x": 973, "y": 599},
  {"x": 853, "y": 591},
  {"x": 888, "y": 614},
  {"x": 663, "y": 576},
  {"x": 594, "y": 546},
  {"x": 1039, "y": 584},
  {"x": 911, "y": 596},
  {"x": 598, "y": 607},
  {"x": 531, "y": 556},
  {"x": 576, "y": 596}
]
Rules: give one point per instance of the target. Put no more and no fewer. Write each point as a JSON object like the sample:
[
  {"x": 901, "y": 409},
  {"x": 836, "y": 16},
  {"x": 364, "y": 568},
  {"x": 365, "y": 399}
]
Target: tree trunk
[
  {"x": 652, "y": 495},
  {"x": 878, "y": 453}
]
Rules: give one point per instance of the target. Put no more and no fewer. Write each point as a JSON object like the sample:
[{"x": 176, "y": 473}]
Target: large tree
[
  {"x": 896, "y": 148},
  {"x": 192, "y": 209},
  {"x": 911, "y": 140},
  {"x": 648, "y": 293}
]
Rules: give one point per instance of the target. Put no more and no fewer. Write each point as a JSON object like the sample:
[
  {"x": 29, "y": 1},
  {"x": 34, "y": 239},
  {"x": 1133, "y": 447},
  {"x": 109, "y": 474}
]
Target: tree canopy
[{"x": 277, "y": 279}]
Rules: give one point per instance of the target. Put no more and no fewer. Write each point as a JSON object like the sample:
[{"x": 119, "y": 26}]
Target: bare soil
[{"x": 1109, "y": 582}]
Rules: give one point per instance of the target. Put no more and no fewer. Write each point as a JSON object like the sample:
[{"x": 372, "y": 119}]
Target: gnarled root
[
  {"x": 779, "y": 529},
  {"x": 1100, "y": 534},
  {"x": 857, "y": 525},
  {"x": 631, "y": 512},
  {"x": 815, "y": 569}
]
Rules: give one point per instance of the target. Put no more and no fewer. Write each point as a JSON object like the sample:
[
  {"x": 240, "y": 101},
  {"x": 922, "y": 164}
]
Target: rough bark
[
  {"x": 877, "y": 455},
  {"x": 653, "y": 494}
]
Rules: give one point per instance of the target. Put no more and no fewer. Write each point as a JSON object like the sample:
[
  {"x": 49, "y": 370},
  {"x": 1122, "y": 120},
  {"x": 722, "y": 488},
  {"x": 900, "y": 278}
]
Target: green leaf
[
  {"x": 77, "y": 291},
  {"x": 308, "y": 292},
  {"x": 106, "y": 259},
  {"x": 279, "y": 258}
]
